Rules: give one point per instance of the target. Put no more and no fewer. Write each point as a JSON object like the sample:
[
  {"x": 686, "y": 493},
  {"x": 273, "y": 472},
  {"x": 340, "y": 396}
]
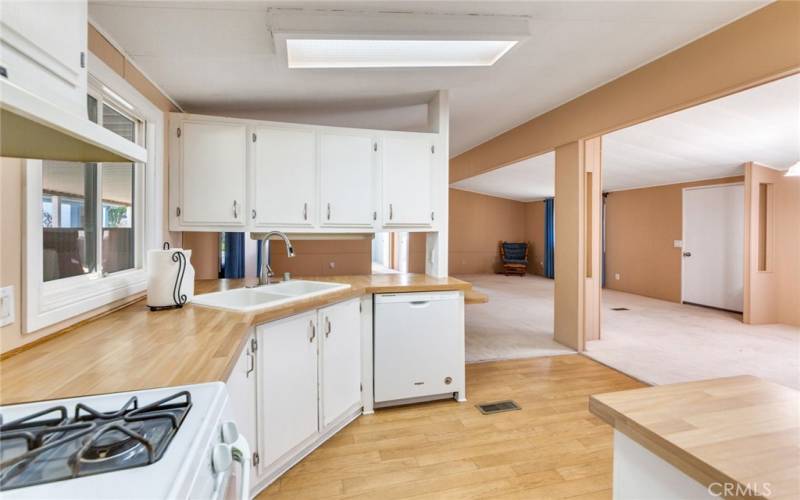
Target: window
[{"x": 88, "y": 210}]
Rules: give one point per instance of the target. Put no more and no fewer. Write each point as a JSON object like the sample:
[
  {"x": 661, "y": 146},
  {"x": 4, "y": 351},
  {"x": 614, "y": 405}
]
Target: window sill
[{"x": 63, "y": 299}]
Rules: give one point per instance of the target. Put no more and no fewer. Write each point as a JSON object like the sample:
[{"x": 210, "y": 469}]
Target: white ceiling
[
  {"x": 217, "y": 57},
  {"x": 704, "y": 142}
]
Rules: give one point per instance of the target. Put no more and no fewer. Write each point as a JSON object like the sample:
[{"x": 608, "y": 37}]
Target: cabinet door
[
  {"x": 340, "y": 326},
  {"x": 407, "y": 168},
  {"x": 287, "y": 384},
  {"x": 213, "y": 167},
  {"x": 347, "y": 170},
  {"x": 284, "y": 163},
  {"x": 43, "y": 49},
  {"x": 242, "y": 393}
]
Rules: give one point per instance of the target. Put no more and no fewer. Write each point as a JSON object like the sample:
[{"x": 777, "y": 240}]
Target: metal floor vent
[
  {"x": 497, "y": 407},
  {"x": 620, "y": 309}
]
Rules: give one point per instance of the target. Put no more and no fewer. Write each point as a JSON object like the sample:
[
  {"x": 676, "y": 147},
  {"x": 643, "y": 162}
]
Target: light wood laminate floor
[{"x": 552, "y": 448}]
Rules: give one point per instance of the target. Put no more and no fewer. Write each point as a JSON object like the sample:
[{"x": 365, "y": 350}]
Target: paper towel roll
[{"x": 162, "y": 272}]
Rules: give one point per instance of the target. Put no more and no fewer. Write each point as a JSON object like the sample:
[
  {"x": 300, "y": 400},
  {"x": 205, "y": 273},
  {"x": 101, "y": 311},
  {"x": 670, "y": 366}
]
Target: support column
[{"x": 578, "y": 245}]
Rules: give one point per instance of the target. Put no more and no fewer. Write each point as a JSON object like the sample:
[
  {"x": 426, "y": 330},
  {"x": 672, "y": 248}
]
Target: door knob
[{"x": 687, "y": 254}]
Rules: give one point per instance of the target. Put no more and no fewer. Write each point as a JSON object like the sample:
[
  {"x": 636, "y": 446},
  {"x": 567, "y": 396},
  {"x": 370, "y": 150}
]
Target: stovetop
[{"x": 58, "y": 443}]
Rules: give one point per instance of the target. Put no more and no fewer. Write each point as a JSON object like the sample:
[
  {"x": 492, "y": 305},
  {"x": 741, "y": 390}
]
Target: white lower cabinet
[
  {"x": 297, "y": 382},
  {"x": 341, "y": 360},
  {"x": 287, "y": 384}
]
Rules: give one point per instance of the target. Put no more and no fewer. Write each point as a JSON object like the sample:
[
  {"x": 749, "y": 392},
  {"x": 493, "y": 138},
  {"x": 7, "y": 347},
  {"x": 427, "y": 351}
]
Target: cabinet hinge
[
  {"x": 256, "y": 458},
  {"x": 433, "y": 149},
  {"x": 254, "y": 137},
  {"x": 83, "y": 59},
  {"x": 178, "y": 211},
  {"x": 179, "y": 131},
  {"x": 253, "y": 344}
]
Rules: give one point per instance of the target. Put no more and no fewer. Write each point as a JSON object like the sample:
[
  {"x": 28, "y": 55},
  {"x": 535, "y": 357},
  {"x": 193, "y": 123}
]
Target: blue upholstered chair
[{"x": 514, "y": 257}]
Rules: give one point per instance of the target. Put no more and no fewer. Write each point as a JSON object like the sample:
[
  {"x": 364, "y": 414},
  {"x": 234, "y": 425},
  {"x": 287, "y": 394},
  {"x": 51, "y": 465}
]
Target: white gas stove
[{"x": 171, "y": 443}]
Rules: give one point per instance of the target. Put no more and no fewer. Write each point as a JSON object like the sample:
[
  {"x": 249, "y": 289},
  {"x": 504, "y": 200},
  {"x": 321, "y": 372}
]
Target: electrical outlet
[
  {"x": 616, "y": 276},
  {"x": 332, "y": 264},
  {"x": 7, "y": 308}
]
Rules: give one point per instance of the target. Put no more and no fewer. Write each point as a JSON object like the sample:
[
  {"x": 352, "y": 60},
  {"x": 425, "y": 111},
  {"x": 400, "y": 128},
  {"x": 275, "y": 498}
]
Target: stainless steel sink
[{"x": 267, "y": 296}]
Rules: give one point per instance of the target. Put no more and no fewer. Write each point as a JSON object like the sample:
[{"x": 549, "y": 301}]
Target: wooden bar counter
[
  {"x": 737, "y": 437},
  {"x": 133, "y": 348}
]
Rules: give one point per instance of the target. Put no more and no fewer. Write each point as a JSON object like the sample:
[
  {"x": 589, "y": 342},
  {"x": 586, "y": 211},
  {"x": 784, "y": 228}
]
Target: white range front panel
[
  {"x": 419, "y": 345},
  {"x": 183, "y": 472}
]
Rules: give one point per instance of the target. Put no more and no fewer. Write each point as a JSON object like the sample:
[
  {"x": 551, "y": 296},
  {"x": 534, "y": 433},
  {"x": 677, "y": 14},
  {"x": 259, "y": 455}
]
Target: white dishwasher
[{"x": 419, "y": 346}]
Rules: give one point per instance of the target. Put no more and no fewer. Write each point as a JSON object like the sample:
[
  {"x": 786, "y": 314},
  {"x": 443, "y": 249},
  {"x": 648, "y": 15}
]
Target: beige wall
[
  {"x": 323, "y": 257},
  {"x": 772, "y": 295},
  {"x": 477, "y": 223},
  {"x": 11, "y": 200},
  {"x": 641, "y": 226}
]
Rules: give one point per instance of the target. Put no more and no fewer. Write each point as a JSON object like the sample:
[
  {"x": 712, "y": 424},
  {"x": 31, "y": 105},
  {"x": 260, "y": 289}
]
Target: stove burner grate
[{"x": 49, "y": 446}]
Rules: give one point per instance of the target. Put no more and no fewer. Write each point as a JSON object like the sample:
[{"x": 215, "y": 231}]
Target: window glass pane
[
  {"x": 118, "y": 123},
  {"x": 118, "y": 224},
  {"x": 69, "y": 191},
  {"x": 91, "y": 105}
]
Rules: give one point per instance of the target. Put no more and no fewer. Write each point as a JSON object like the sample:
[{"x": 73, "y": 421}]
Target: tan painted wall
[
  {"x": 314, "y": 257},
  {"x": 477, "y": 223},
  {"x": 11, "y": 194},
  {"x": 205, "y": 254},
  {"x": 758, "y": 48},
  {"x": 641, "y": 225},
  {"x": 534, "y": 234},
  {"x": 772, "y": 295}
]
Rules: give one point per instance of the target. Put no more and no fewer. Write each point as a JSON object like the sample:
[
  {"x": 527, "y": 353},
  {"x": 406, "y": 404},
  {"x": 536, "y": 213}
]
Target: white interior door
[{"x": 713, "y": 246}]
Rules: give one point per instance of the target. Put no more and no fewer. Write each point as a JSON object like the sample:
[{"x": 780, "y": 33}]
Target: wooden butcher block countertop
[
  {"x": 739, "y": 430},
  {"x": 133, "y": 348}
]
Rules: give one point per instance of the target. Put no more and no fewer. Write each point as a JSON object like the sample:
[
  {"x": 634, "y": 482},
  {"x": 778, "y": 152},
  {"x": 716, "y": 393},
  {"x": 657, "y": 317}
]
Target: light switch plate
[
  {"x": 7, "y": 307},
  {"x": 616, "y": 276},
  {"x": 677, "y": 243}
]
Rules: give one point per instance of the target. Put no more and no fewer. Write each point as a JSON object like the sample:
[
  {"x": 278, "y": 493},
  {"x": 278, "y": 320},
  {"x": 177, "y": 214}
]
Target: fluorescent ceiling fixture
[{"x": 314, "y": 53}]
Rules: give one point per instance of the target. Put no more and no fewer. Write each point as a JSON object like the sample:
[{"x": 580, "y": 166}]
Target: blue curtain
[
  {"x": 233, "y": 262},
  {"x": 549, "y": 238}
]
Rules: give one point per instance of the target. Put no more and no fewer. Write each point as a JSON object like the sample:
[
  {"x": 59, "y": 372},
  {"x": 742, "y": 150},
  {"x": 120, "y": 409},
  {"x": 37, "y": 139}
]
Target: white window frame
[{"x": 59, "y": 300}]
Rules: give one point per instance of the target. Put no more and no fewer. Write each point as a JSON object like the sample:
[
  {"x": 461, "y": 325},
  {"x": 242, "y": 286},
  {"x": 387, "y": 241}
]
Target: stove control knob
[
  {"x": 230, "y": 433},
  {"x": 221, "y": 458}
]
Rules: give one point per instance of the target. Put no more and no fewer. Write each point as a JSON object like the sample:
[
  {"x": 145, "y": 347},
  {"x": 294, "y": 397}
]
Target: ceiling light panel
[{"x": 359, "y": 53}]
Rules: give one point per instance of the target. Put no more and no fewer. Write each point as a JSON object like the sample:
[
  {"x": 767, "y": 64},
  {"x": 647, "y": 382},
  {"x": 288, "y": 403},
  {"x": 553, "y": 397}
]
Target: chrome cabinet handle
[
  {"x": 313, "y": 331},
  {"x": 432, "y": 217},
  {"x": 391, "y": 212},
  {"x": 327, "y": 326},
  {"x": 329, "y": 211},
  {"x": 687, "y": 254},
  {"x": 305, "y": 211},
  {"x": 252, "y": 366},
  {"x": 235, "y": 209}
]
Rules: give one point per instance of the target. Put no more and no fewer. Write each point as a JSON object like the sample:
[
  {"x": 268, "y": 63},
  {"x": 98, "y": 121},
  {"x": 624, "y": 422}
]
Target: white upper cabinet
[
  {"x": 284, "y": 177},
  {"x": 340, "y": 334},
  {"x": 213, "y": 165},
  {"x": 407, "y": 166},
  {"x": 347, "y": 179},
  {"x": 43, "y": 50}
]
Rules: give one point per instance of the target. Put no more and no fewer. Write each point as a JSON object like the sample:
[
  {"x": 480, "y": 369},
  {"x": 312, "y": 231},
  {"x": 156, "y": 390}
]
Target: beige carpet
[
  {"x": 655, "y": 341},
  {"x": 517, "y": 322}
]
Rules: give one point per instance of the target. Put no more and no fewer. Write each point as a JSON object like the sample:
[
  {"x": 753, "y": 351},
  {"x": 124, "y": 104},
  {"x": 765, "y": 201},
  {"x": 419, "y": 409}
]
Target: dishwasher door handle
[{"x": 420, "y": 303}]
